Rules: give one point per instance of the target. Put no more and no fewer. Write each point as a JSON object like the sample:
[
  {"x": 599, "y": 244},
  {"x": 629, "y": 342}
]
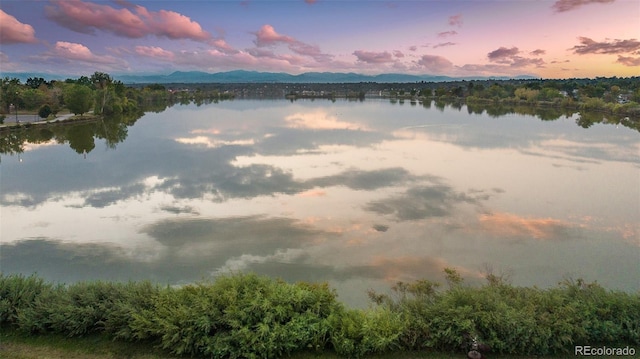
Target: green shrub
[
  {"x": 515, "y": 320},
  {"x": 19, "y": 293},
  {"x": 248, "y": 316},
  {"x": 239, "y": 316},
  {"x": 355, "y": 333}
]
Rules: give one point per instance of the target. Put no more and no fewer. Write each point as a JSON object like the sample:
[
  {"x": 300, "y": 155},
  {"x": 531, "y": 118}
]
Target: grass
[
  {"x": 18, "y": 346},
  {"x": 14, "y": 345}
]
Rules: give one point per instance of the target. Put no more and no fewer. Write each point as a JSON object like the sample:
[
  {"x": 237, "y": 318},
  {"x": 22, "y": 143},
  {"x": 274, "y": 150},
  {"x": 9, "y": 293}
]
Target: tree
[
  {"x": 45, "y": 111},
  {"x": 78, "y": 98},
  {"x": 10, "y": 93},
  {"x": 102, "y": 82},
  {"x": 33, "y": 98},
  {"x": 35, "y": 82}
]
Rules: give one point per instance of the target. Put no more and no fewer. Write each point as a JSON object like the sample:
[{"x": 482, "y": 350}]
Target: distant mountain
[{"x": 242, "y": 76}]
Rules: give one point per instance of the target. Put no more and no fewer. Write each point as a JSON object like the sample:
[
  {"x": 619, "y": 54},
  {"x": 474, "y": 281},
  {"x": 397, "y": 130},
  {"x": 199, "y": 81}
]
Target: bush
[
  {"x": 516, "y": 320},
  {"x": 239, "y": 316},
  {"x": 248, "y": 316},
  {"x": 18, "y": 294},
  {"x": 355, "y": 333},
  {"x": 45, "y": 111}
]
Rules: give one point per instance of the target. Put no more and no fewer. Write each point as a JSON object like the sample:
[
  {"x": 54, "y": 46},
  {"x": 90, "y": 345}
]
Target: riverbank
[{"x": 27, "y": 121}]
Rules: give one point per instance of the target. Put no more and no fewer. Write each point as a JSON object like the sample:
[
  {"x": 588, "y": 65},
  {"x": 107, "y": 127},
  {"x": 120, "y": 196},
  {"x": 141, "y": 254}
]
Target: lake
[{"x": 360, "y": 194}]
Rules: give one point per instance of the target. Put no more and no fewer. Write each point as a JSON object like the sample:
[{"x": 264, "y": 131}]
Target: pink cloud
[
  {"x": 371, "y": 57},
  {"x": 154, "y": 51},
  {"x": 132, "y": 21},
  {"x": 413, "y": 48},
  {"x": 72, "y": 50},
  {"x": 455, "y": 20},
  {"x": 511, "y": 226},
  {"x": 518, "y": 61},
  {"x": 222, "y": 45},
  {"x": 589, "y": 46},
  {"x": 435, "y": 63},
  {"x": 7, "y": 65},
  {"x": 447, "y": 33},
  {"x": 79, "y": 52},
  {"x": 443, "y": 44},
  {"x": 502, "y": 54},
  {"x": 398, "y": 54},
  {"x": 310, "y": 50},
  {"x": 628, "y": 61},
  {"x": 567, "y": 5},
  {"x": 509, "y": 56},
  {"x": 13, "y": 31},
  {"x": 79, "y": 57},
  {"x": 267, "y": 36},
  {"x": 537, "y": 52}
]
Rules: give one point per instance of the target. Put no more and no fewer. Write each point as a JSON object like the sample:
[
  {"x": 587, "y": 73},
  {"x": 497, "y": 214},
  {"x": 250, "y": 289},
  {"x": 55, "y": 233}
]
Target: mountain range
[{"x": 242, "y": 76}]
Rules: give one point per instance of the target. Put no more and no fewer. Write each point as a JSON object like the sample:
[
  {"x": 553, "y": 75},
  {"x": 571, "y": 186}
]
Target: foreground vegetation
[{"x": 249, "y": 316}]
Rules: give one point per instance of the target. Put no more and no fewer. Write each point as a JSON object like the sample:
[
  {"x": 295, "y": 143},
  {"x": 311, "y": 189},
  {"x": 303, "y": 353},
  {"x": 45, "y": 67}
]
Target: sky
[{"x": 547, "y": 39}]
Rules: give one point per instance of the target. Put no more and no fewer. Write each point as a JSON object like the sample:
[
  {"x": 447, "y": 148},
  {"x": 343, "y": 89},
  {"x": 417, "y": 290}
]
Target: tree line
[{"x": 99, "y": 93}]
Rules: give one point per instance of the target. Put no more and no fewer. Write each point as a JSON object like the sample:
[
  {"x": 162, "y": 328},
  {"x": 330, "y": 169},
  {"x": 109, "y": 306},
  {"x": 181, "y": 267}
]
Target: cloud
[
  {"x": 435, "y": 63},
  {"x": 518, "y": 61},
  {"x": 421, "y": 202},
  {"x": 222, "y": 45},
  {"x": 365, "y": 180},
  {"x": 443, "y": 44},
  {"x": 589, "y": 46},
  {"x": 13, "y": 31},
  {"x": 447, "y": 33},
  {"x": 398, "y": 54},
  {"x": 509, "y": 56},
  {"x": 132, "y": 21},
  {"x": 267, "y": 36},
  {"x": 179, "y": 210},
  {"x": 372, "y": 57},
  {"x": 629, "y": 61},
  {"x": 455, "y": 20},
  {"x": 70, "y": 52},
  {"x": 502, "y": 53},
  {"x": 406, "y": 268},
  {"x": 100, "y": 199},
  {"x": 380, "y": 227},
  {"x": 568, "y": 5},
  {"x": 319, "y": 120},
  {"x": 511, "y": 226},
  {"x": 154, "y": 51},
  {"x": 222, "y": 238},
  {"x": 537, "y": 52}
]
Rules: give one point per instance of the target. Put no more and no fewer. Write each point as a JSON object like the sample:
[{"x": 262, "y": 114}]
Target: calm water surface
[{"x": 359, "y": 194}]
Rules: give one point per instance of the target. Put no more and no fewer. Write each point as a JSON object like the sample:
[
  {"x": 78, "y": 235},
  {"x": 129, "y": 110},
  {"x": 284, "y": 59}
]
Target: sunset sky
[{"x": 549, "y": 39}]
